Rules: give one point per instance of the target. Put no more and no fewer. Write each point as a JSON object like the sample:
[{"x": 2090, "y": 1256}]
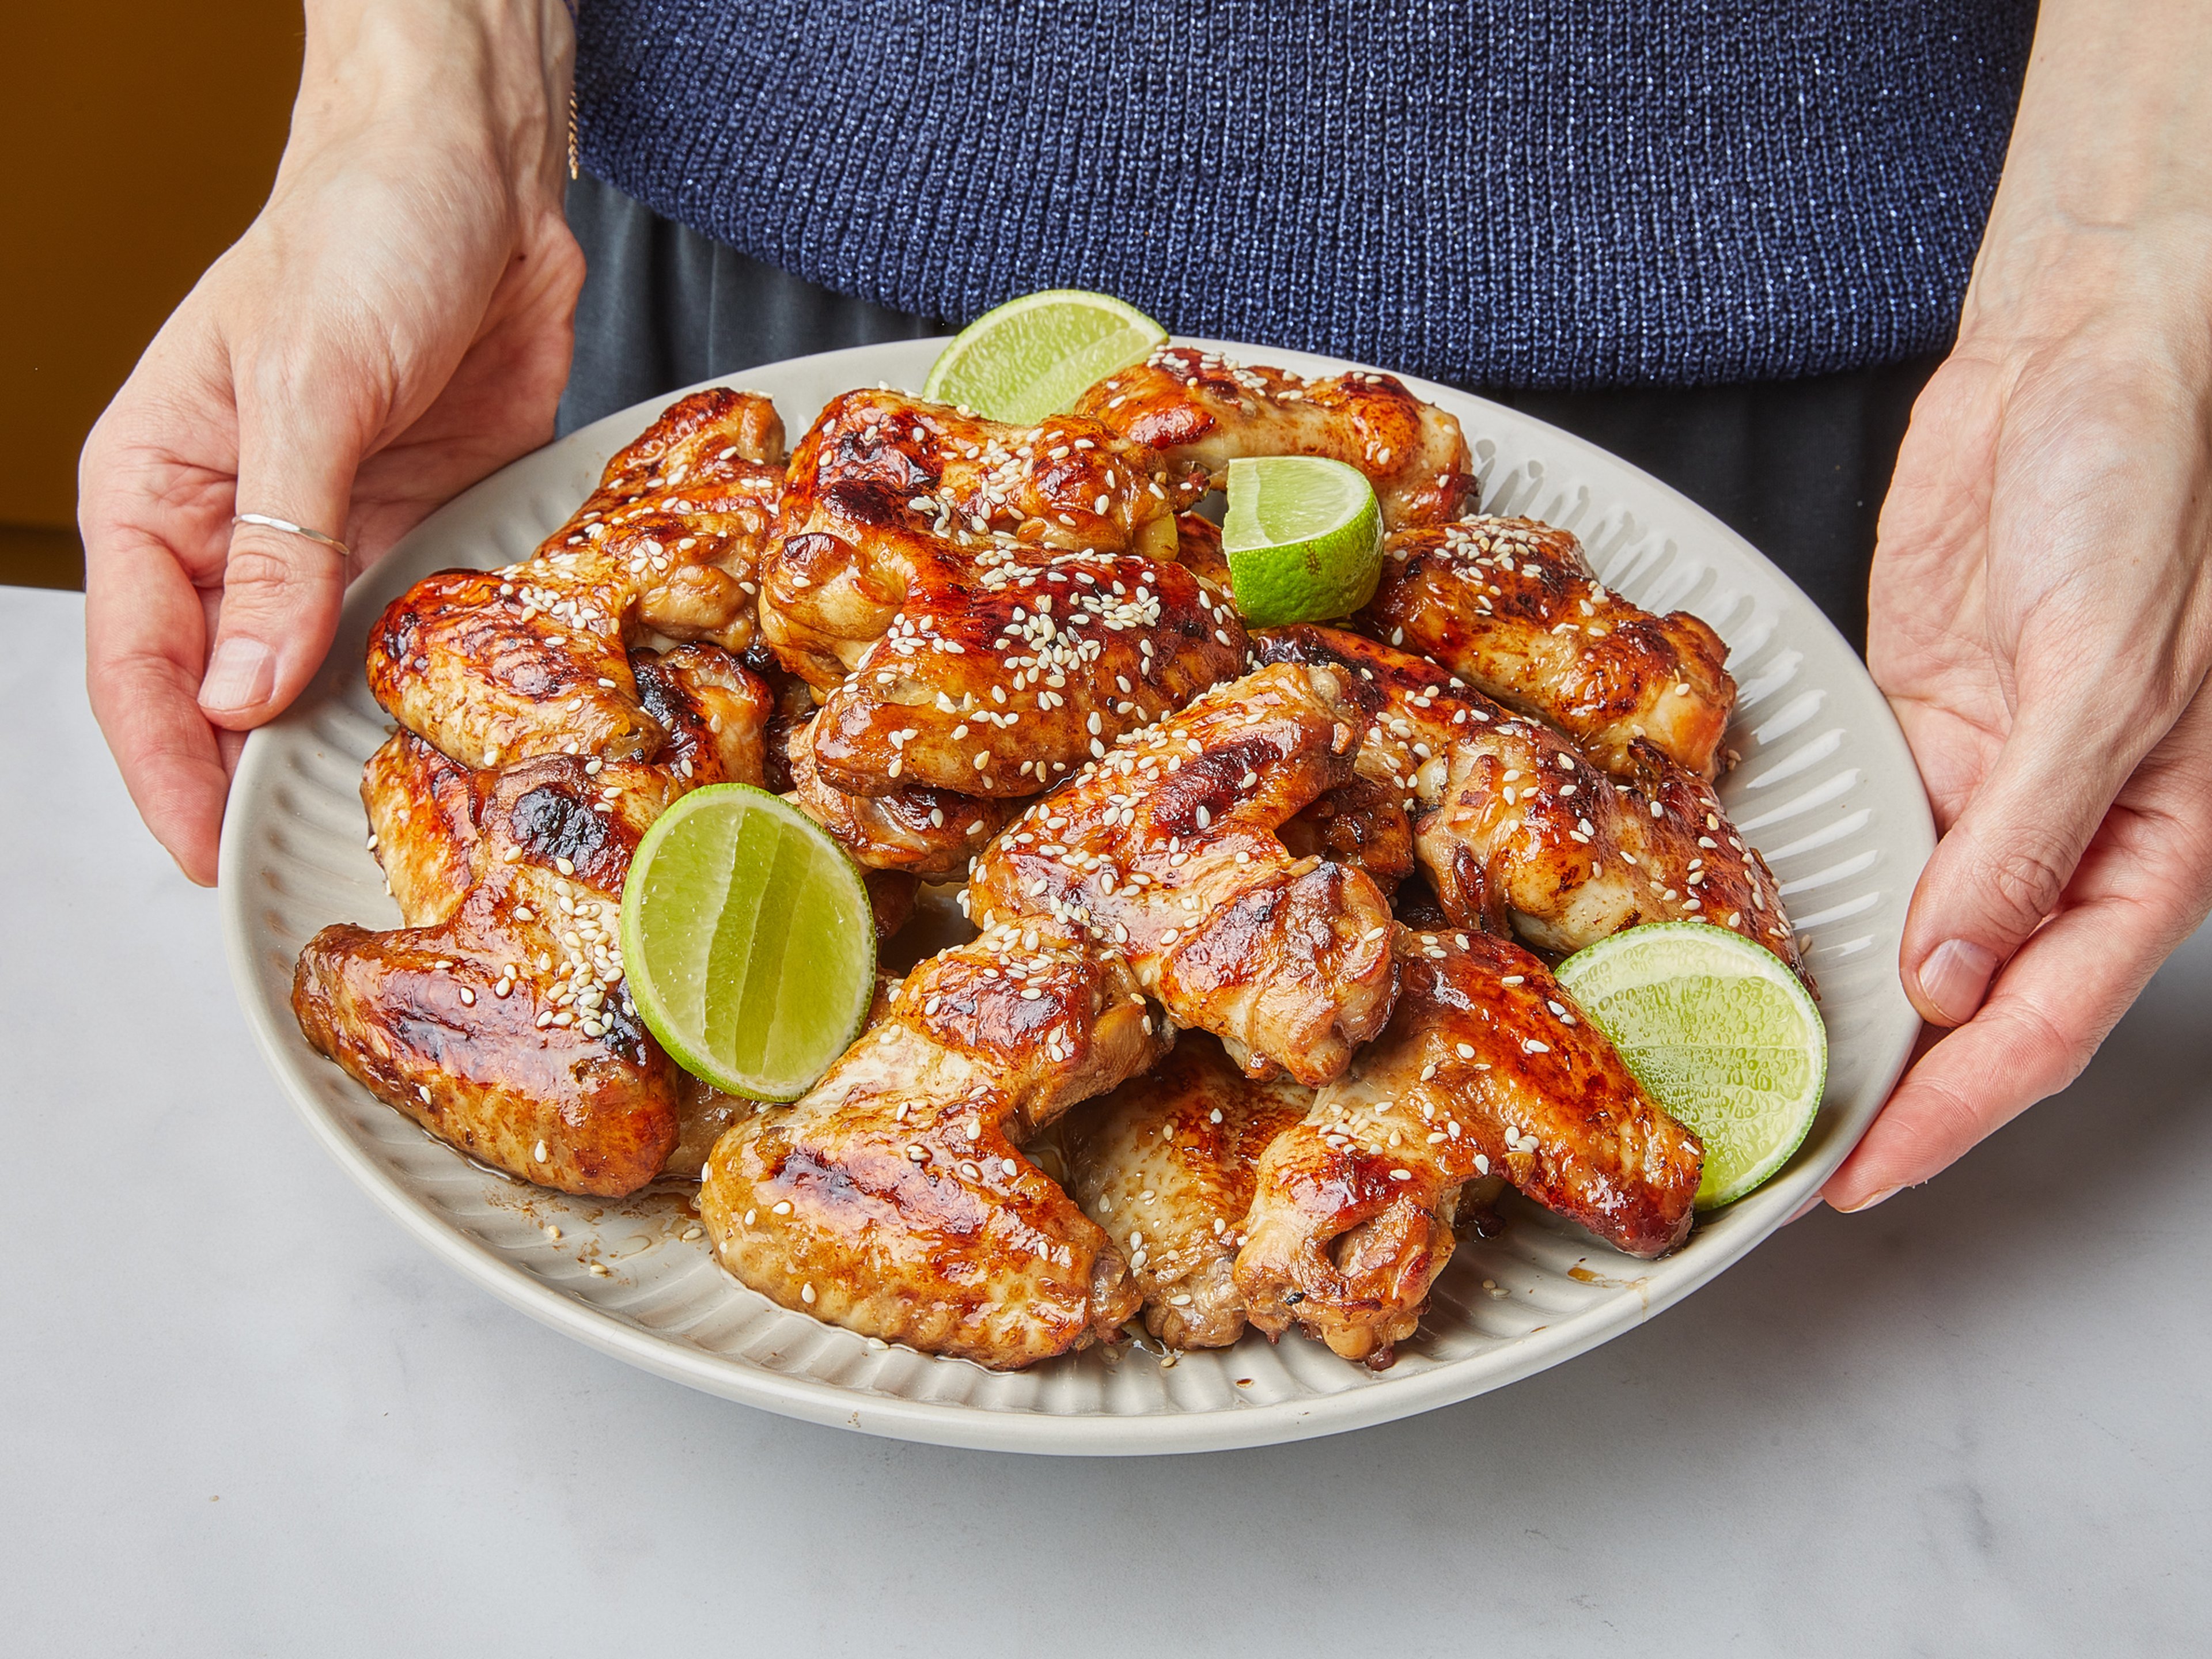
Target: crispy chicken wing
[
  {"x": 506, "y": 1028},
  {"x": 1512, "y": 606},
  {"x": 1527, "y": 835},
  {"x": 1165, "y": 1164},
  {"x": 881, "y": 478},
  {"x": 1201, "y": 411},
  {"x": 981, "y": 606},
  {"x": 494, "y": 666},
  {"x": 1486, "y": 1069},
  {"x": 1004, "y": 675},
  {"x": 1167, "y": 848},
  {"x": 496, "y": 1016},
  {"x": 1532, "y": 835},
  {"x": 892, "y": 1200},
  {"x": 422, "y": 805}
]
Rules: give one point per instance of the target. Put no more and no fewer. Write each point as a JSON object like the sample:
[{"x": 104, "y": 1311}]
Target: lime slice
[
  {"x": 748, "y": 941},
  {"x": 1035, "y": 355},
  {"x": 1303, "y": 536},
  {"x": 1719, "y": 1033}
]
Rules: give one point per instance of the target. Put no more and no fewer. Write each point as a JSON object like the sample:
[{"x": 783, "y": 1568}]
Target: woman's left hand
[{"x": 2041, "y": 610}]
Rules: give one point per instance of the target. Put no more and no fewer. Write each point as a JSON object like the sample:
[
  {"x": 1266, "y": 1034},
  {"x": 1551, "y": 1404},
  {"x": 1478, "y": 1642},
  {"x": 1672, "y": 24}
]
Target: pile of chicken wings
[{"x": 1256, "y": 1016}]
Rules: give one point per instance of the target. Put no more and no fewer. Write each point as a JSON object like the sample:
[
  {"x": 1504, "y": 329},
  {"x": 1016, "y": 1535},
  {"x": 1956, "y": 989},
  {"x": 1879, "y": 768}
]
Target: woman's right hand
[{"x": 395, "y": 324}]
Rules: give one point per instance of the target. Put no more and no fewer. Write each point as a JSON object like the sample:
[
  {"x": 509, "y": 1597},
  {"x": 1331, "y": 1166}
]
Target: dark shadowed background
[{"x": 140, "y": 139}]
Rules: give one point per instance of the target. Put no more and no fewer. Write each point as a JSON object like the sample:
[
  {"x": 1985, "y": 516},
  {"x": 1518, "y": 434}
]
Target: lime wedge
[
  {"x": 1035, "y": 355},
  {"x": 1719, "y": 1033},
  {"x": 1303, "y": 536},
  {"x": 748, "y": 941}
]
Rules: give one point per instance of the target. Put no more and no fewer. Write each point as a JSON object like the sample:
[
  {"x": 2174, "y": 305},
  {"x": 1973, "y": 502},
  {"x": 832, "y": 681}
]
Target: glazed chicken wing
[
  {"x": 1165, "y": 1164},
  {"x": 1201, "y": 411},
  {"x": 1486, "y": 1070},
  {"x": 496, "y": 1017},
  {"x": 892, "y": 1199},
  {"x": 880, "y": 475},
  {"x": 1167, "y": 849},
  {"x": 496, "y": 666},
  {"x": 422, "y": 805},
  {"x": 1527, "y": 835},
  {"x": 1513, "y": 607},
  {"x": 505, "y": 1029},
  {"x": 983, "y": 607},
  {"x": 1005, "y": 674}
]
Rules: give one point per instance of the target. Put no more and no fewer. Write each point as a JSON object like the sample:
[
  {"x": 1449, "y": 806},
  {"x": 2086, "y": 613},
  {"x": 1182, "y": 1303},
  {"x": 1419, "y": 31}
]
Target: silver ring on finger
[{"x": 268, "y": 522}]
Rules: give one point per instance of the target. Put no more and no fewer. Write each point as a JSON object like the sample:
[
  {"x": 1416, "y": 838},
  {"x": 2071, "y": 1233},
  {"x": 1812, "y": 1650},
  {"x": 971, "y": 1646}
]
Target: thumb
[
  {"x": 2004, "y": 865},
  {"x": 281, "y": 588}
]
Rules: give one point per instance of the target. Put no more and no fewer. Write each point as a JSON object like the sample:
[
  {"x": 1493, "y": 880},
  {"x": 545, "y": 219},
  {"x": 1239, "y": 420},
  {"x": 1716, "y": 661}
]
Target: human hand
[
  {"x": 395, "y": 324},
  {"x": 2041, "y": 608}
]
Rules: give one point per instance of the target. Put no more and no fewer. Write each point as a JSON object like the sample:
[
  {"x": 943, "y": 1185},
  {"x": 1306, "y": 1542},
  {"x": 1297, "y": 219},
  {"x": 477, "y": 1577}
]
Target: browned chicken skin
[
  {"x": 1201, "y": 411},
  {"x": 498, "y": 1018},
  {"x": 1486, "y": 1069},
  {"x": 1165, "y": 1164},
  {"x": 1360, "y": 823},
  {"x": 1513, "y": 607},
  {"x": 1529, "y": 836},
  {"x": 1167, "y": 849},
  {"x": 892, "y": 1200},
  {"x": 838, "y": 574},
  {"x": 496, "y": 666},
  {"x": 981, "y": 606},
  {"x": 505, "y": 1029},
  {"x": 422, "y": 826},
  {"x": 930, "y": 833},
  {"x": 1005, "y": 673}
]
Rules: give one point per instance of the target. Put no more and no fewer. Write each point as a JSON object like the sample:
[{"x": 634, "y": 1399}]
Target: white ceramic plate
[{"x": 1825, "y": 789}]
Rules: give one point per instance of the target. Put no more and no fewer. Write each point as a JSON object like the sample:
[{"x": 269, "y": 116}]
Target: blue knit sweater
[{"x": 1520, "y": 193}]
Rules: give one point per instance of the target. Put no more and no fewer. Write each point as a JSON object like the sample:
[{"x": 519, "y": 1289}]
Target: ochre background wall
[{"x": 138, "y": 138}]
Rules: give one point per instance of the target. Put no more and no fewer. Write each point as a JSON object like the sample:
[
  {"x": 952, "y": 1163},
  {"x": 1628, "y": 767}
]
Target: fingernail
[
  {"x": 1955, "y": 978},
  {"x": 1806, "y": 1209},
  {"x": 1882, "y": 1197},
  {"x": 242, "y": 676}
]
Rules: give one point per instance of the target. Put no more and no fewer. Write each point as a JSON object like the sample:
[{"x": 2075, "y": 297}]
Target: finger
[
  {"x": 2000, "y": 871},
  {"x": 144, "y": 640},
  {"x": 299, "y": 447},
  {"x": 2144, "y": 885},
  {"x": 2054, "y": 1004}
]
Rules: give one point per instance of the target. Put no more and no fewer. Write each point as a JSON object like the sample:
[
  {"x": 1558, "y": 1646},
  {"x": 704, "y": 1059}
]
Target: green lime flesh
[
  {"x": 1719, "y": 1032},
  {"x": 1304, "y": 539},
  {"x": 748, "y": 941},
  {"x": 1033, "y": 356}
]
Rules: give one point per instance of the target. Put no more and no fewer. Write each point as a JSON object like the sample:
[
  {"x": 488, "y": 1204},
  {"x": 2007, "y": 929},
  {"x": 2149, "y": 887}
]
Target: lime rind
[
  {"x": 1304, "y": 539},
  {"x": 1720, "y": 1033},
  {"x": 1034, "y": 355},
  {"x": 748, "y": 942}
]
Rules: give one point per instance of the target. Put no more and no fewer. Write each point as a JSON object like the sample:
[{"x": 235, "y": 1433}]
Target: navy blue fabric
[{"x": 1508, "y": 192}]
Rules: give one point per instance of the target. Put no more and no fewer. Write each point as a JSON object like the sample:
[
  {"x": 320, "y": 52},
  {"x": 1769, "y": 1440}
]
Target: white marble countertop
[{"x": 244, "y": 1415}]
